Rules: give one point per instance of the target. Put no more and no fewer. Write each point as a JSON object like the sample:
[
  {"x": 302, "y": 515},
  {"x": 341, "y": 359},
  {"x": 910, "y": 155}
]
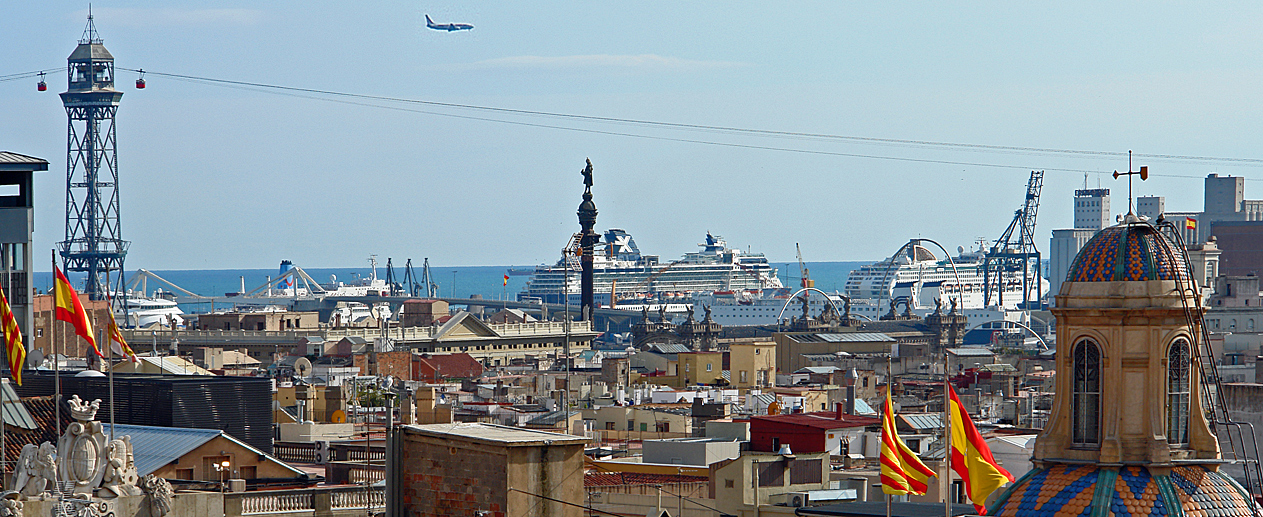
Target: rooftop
[{"x": 495, "y": 434}]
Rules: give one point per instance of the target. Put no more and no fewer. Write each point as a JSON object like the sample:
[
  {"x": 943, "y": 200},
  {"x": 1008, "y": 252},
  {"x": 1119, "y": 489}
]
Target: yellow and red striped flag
[
  {"x": 506, "y": 280},
  {"x": 70, "y": 310},
  {"x": 901, "y": 470},
  {"x": 1190, "y": 224},
  {"x": 12, "y": 339},
  {"x": 118, "y": 344},
  {"x": 971, "y": 458}
]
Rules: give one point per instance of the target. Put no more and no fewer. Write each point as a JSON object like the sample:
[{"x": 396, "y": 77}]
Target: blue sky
[{"x": 217, "y": 177}]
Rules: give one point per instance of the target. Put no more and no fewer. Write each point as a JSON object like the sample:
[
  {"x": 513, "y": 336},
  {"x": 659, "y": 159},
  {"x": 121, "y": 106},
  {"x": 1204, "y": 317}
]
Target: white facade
[
  {"x": 1092, "y": 209},
  {"x": 1064, "y": 247},
  {"x": 1150, "y": 207}
]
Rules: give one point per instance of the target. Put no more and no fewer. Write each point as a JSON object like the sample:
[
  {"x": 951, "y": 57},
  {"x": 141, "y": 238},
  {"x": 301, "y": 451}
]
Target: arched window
[
  {"x": 1178, "y": 388},
  {"x": 1086, "y": 397}
]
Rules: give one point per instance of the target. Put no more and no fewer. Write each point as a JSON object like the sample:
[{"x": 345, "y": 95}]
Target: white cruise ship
[
  {"x": 622, "y": 274},
  {"x": 917, "y": 277}
]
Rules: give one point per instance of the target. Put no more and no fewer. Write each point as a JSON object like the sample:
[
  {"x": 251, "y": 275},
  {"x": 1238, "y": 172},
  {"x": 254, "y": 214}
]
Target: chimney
[{"x": 837, "y": 408}]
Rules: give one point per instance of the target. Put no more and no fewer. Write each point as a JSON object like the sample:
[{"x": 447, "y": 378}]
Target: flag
[
  {"x": 971, "y": 458},
  {"x": 118, "y": 344},
  {"x": 506, "y": 280},
  {"x": 70, "y": 310},
  {"x": 901, "y": 471},
  {"x": 1190, "y": 224},
  {"x": 12, "y": 339}
]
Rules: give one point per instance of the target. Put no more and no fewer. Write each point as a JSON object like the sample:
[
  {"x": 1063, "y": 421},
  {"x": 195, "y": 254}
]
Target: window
[
  {"x": 744, "y": 376},
  {"x": 708, "y": 364},
  {"x": 609, "y": 426},
  {"x": 662, "y": 427},
  {"x": 805, "y": 471},
  {"x": 728, "y": 483},
  {"x": 866, "y": 382},
  {"x": 1178, "y": 374},
  {"x": 1086, "y": 397},
  {"x": 644, "y": 427},
  {"x": 770, "y": 473}
]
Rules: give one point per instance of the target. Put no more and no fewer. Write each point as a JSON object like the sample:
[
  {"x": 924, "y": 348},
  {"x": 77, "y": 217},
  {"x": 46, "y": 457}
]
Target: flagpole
[
  {"x": 109, "y": 353},
  {"x": 947, "y": 440},
  {"x": 890, "y": 393},
  {"x": 52, "y": 319}
]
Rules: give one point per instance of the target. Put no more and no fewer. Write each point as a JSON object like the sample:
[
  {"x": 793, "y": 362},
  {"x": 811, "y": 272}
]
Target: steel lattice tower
[{"x": 94, "y": 243}]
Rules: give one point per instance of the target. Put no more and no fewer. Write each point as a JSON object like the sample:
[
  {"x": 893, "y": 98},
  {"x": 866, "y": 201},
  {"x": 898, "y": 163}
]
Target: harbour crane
[
  {"x": 1014, "y": 252},
  {"x": 806, "y": 280}
]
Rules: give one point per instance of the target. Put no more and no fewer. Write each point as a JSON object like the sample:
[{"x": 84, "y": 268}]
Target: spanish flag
[
  {"x": 12, "y": 339},
  {"x": 901, "y": 470},
  {"x": 1190, "y": 224},
  {"x": 971, "y": 458},
  {"x": 70, "y": 310},
  {"x": 506, "y": 280}
]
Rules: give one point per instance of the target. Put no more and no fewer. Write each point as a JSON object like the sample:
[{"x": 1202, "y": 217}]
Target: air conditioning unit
[
  {"x": 796, "y": 499},
  {"x": 322, "y": 452}
]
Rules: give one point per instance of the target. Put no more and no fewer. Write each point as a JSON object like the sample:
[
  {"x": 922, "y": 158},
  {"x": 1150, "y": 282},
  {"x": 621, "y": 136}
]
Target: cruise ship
[
  {"x": 621, "y": 274},
  {"x": 917, "y": 277}
]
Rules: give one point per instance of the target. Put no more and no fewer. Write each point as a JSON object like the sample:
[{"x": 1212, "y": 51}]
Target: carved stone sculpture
[
  {"x": 82, "y": 457},
  {"x": 120, "y": 476},
  {"x": 36, "y": 469},
  {"x": 10, "y": 504},
  {"x": 160, "y": 494}
]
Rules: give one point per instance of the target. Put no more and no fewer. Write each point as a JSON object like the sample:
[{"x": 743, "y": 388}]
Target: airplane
[{"x": 449, "y": 27}]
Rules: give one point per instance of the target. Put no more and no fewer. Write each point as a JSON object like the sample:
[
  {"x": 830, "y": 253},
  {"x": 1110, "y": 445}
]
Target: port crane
[
  {"x": 1013, "y": 253},
  {"x": 424, "y": 284}
]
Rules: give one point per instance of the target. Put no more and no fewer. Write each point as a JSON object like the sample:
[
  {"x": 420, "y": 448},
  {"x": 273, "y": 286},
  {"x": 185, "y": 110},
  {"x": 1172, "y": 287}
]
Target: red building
[
  {"x": 439, "y": 367},
  {"x": 823, "y": 431}
]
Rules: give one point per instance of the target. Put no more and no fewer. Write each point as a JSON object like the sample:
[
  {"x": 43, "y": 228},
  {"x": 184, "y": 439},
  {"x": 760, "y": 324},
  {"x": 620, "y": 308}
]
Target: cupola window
[
  {"x": 1086, "y": 393},
  {"x": 1178, "y": 389}
]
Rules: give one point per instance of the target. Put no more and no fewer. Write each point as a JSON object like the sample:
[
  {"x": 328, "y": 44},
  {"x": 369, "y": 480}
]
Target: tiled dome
[
  {"x": 1126, "y": 252},
  {"x": 1089, "y": 490}
]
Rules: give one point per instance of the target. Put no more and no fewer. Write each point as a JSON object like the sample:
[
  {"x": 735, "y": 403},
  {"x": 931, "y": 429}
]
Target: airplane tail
[{"x": 428, "y": 21}]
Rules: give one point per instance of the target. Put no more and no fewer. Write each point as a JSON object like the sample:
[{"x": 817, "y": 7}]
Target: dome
[
  {"x": 1132, "y": 491},
  {"x": 1127, "y": 252}
]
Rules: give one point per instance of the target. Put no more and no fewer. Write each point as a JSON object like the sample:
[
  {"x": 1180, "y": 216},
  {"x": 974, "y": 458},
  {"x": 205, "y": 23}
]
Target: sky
[{"x": 225, "y": 176}]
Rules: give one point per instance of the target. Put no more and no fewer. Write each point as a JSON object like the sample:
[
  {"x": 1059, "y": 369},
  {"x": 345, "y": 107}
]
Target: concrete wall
[{"x": 689, "y": 451}]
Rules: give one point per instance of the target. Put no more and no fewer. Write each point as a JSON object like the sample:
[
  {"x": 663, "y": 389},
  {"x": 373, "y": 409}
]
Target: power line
[
  {"x": 311, "y": 94},
  {"x": 730, "y": 129}
]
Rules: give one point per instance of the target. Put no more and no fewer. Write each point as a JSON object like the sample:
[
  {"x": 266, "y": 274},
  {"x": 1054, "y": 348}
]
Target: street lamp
[{"x": 223, "y": 468}]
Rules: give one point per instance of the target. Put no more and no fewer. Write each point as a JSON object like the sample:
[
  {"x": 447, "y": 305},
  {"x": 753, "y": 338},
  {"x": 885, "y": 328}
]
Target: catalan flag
[
  {"x": 70, "y": 310},
  {"x": 901, "y": 470},
  {"x": 971, "y": 458},
  {"x": 118, "y": 344},
  {"x": 12, "y": 339},
  {"x": 1190, "y": 224}
]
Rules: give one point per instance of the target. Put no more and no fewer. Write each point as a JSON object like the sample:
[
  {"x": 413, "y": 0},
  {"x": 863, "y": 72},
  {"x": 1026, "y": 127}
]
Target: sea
[{"x": 453, "y": 281}]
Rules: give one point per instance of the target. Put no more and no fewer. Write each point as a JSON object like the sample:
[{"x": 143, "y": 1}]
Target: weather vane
[{"x": 1143, "y": 172}]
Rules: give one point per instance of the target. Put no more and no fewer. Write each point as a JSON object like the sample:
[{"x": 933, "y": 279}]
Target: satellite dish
[
  {"x": 387, "y": 382},
  {"x": 960, "y": 249},
  {"x": 303, "y": 365},
  {"x": 35, "y": 359}
]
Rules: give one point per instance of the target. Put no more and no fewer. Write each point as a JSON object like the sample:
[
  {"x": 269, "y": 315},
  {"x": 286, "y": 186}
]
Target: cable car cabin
[
  {"x": 42, "y": 86},
  {"x": 140, "y": 84}
]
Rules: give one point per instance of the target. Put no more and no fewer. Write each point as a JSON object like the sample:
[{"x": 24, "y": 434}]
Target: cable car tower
[{"x": 93, "y": 238}]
